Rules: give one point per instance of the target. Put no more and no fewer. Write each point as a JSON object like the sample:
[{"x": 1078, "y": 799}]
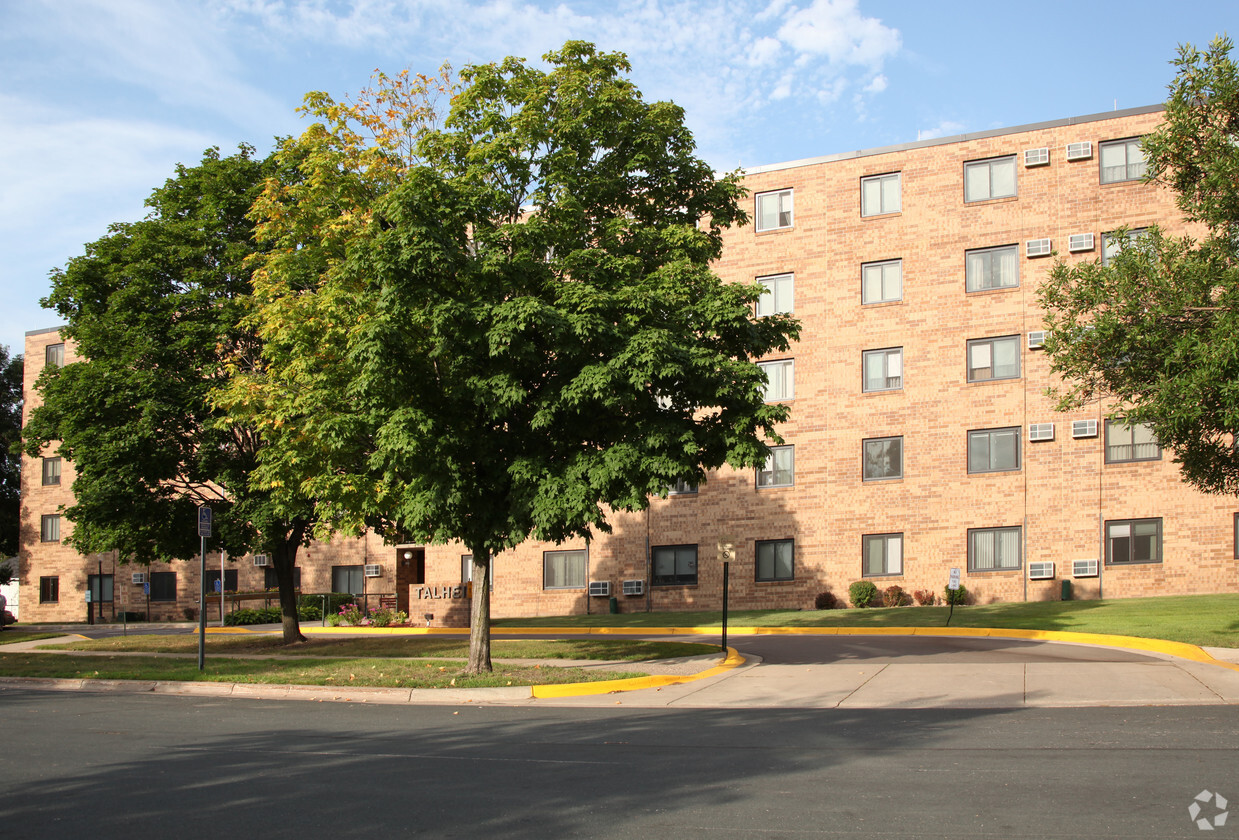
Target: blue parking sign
[{"x": 204, "y": 521}]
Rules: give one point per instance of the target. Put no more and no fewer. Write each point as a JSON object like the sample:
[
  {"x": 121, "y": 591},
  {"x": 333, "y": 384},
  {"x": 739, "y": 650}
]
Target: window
[
  {"x": 780, "y": 468},
  {"x": 780, "y": 379},
  {"x": 1130, "y": 443},
  {"x": 883, "y": 369},
  {"x": 674, "y": 565},
  {"x": 882, "y": 554},
  {"x": 774, "y": 210},
  {"x": 100, "y": 588},
  {"x": 51, "y": 471},
  {"x": 992, "y": 268},
  {"x": 564, "y": 569},
  {"x": 879, "y": 194},
  {"x": 212, "y": 578},
  {"x": 1112, "y": 243},
  {"x": 54, "y": 355},
  {"x": 681, "y": 488},
  {"x": 1134, "y": 541},
  {"x": 986, "y": 179},
  {"x": 994, "y": 450},
  {"x": 163, "y": 585},
  {"x": 881, "y": 282},
  {"x": 1122, "y": 160},
  {"x": 49, "y": 589},
  {"x": 50, "y": 528},
  {"x": 348, "y": 579},
  {"x": 777, "y": 299},
  {"x": 883, "y": 458},
  {"x": 993, "y": 549},
  {"x": 466, "y": 570},
  {"x": 994, "y": 358},
  {"x": 775, "y": 559},
  {"x": 270, "y": 581}
]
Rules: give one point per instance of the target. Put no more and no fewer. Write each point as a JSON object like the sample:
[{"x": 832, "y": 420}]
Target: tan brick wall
[{"x": 1061, "y": 495}]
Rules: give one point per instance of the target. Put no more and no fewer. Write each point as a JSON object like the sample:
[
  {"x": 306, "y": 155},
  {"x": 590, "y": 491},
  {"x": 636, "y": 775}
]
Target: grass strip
[
  {"x": 11, "y": 637},
  {"x": 387, "y": 673},
  {"x": 1209, "y": 620},
  {"x": 623, "y": 650}
]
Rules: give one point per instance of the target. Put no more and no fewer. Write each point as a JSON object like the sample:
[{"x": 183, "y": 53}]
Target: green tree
[
  {"x": 155, "y": 310},
  {"x": 1155, "y": 332},
  {"x": 10, "y": 453},
  {"x": 524, "y": 331}
]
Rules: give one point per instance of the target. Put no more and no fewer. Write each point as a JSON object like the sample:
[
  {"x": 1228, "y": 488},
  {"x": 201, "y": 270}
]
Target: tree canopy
[
  {"x": 1154, "y": 332},
  {"x": 511, "y": 326},
  {"x": 10, "y": 452},
  {"x": 155, "y": 310}
]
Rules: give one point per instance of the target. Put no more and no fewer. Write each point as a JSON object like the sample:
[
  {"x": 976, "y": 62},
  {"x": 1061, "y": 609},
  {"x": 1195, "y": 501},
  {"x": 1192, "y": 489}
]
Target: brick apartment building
[{"x": 921, "y": 437}]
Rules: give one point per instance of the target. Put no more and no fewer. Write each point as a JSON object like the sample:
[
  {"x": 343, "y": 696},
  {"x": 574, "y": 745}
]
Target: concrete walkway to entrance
[{"x": 834, "y": 669}]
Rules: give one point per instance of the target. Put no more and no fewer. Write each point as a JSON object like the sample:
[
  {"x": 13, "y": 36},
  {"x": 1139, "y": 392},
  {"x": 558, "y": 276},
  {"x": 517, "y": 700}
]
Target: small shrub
[
  {"x": 335, "y": 600},
  {"x": 333, "y": 620},
  {"x": 925, "y": 597},
  {"x": 862, "y": 593},
  {"x": 382, "y": 617},
  {"x": 894, "y": 596},
  {"x": 309, "y": 612},
  {"x": 958, "y": 597},
  {"x": 826, "y": 600},
  {"x": 351, "y": 614},
  {"x": 262, "y": 615}
]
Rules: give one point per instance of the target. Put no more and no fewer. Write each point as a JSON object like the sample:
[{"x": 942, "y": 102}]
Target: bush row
[{"x": 865, "y": 593}]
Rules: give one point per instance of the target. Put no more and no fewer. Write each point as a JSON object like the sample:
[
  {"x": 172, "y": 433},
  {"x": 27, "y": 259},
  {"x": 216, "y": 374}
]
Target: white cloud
[
  {"x": 836, "y": 29},
  {"x": 943, "y": 129},
  {"x": 877, "y": 84},
  {"x": 765, "y": 51}
]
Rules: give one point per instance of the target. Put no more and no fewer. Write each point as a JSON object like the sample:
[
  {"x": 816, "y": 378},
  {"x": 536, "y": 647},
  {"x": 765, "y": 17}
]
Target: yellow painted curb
[
  {"x": 231, "y": 630},
  {"x": 733, "y": 660}
]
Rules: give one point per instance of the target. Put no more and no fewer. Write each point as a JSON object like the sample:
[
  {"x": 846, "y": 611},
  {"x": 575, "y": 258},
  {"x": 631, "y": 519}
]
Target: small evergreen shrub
[
  {"x": 863, "y": 593},
  {"x": 925, "y": 597},
  {"x": 894, "y": 596},
  {"x": 826, "y": 601},
  {"x": 958, "y": 597}
]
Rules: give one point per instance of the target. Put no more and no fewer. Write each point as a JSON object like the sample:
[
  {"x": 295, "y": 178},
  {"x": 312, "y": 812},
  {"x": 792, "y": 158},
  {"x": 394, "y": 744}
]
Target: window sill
[
  {"x": 779, "y": 582},
  {"x": 1014, "y": 571},
  {"x": 787, "y": 229},
  {"x": 976, "y": 202},
  {"x": 893, "y": 213},
  {"x": 1112, "y": 564},
  {"x": 992, "y": 291},
  {"x": 881, "y": 303}
]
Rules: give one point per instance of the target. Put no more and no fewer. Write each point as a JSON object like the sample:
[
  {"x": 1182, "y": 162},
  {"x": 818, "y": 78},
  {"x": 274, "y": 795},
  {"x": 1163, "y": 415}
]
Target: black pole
[
  {"x": 100, "y": 561},
  {"x": 202, "y": 606},
  {"x": 726, "y": 584}
]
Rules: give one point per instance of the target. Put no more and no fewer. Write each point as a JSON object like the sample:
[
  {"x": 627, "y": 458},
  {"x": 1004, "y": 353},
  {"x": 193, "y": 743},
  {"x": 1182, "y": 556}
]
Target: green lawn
[
  {"x": 10, "y": 637},
  {"x": 396, "y": 673},
  {"x": 1211, "y": 620},
  {"x": 453, "y": 647}
]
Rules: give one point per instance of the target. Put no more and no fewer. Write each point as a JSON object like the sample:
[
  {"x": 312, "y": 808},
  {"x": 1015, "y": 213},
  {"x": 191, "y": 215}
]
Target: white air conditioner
[
  {"x": 1080, "y": 151},
  {"x": 599, "y": 588},
  {"x": 1080, "y": 242},
  {"x": 1083, "y": 568},
  {"x": 1083, "y": 428},
  {"x": 1036, "y": 157},
  {"x": 1041, "y": 571},
  {"x": 634, "y": 587},
  {"x": 262, "y": 560},
  {"x": 1041, "y": 431},
  {"x": 139, "y": 578},
  {"x": 1036, "y": 339},
  {"x": 1037, "y": 248},
  {"x": 373, "y": 570}
]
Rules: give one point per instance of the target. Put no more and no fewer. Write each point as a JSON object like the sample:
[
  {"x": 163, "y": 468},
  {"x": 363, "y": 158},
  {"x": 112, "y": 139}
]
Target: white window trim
[
  {"x": 881, "y": 265},
  {"x": 881, "y": 181},
  {"x": 790, "y": 212},
  {"x": 779, "y": 371},
  {"x": 989, "y": 163}
]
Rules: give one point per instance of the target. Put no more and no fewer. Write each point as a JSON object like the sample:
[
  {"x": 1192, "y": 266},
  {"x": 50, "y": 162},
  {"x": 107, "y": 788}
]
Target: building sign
[{"x": 431, "y": 593}]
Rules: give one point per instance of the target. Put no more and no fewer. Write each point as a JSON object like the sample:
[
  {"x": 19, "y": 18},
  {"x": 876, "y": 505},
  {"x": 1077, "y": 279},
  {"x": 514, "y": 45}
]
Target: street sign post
[
  {"x": 204, "y": 531},
  {"x": 952, "y": 585}
]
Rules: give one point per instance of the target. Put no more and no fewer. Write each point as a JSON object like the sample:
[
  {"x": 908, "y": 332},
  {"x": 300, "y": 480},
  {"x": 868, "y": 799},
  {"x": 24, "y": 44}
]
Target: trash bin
[
  {"x": 614, "y": 605},
  {"x": 1066, "y": 590}
]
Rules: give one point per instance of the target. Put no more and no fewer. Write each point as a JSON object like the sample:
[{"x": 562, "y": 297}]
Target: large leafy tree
[
  {"x": 521, "y": 330},
  {"x": 155, "y": 310},
  {"x": 10, "y": 452},
  {"x": 1155, "y": 331}
]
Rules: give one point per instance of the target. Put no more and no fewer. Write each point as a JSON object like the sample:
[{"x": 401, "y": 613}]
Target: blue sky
[{"x": 99, "y": 99}]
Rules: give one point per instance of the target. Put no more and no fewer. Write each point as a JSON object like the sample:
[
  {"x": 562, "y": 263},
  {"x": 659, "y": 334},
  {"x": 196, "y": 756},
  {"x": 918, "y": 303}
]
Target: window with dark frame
[
  {"x": 881, "y": 282},
  {"x": 101, "y": 588},
  {"x": 1122, "y": 160},
  {"x": 51, "y": 471},
  {"x": 882, "y": 369},
  {"x": 880, "y": 194},
  {"x": 673, "y": 565},
  {"x": 882, "y": 458},
  {"x": 230, "y": 580},
  {"x": 564, "y": 569},
  {"x": 349, "y": 579},
  {"x": 775, "y": 560},
  {"x": 1126, "y": 443},
  {"x": 1112, "y": 243},
  {"x": 1133, "y": 541},
  {"x": 163, "y": 585},
  {"x": 994, "y": 358},
  {"x": 994, "y": 450},
  {"x": 49, "y": 527},
  {"x": 992, "y": 268},
  {"x": 990, "y": 178},
  {"x": 271, "y": 581},
  {"x": 54, "y": 355},
  {"x": 881, "y": 555},
  {"x": 994, "y": 549},
  {"x": 49, "y": 589}
]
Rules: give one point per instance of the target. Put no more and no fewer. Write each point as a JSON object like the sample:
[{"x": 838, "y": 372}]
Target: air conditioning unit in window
[
  {"x": 1083, "y": 428},
  {"x": 373, "y": 570},
  {"x": 1041, "y": 431},
  {"x": 1037, "y": 248},
  {"x": 1080, "y": 242},
  {"x": 599, "y": 588},
  {"x": 262, "y": 560},
  {"x": 139, "y": 578},
  {"x": 1036, "y": 339},
  {"x": 1036, "y": 157},
  {"x": 634, "y": 587},
  {"x": 1080, "y": 151},
  {"x": 1083, "y": 568},
  {"x": 1041, "y": 571}
]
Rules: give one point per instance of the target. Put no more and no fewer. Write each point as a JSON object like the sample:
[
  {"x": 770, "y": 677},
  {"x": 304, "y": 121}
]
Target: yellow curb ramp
[{"x": 733, "y": 660}]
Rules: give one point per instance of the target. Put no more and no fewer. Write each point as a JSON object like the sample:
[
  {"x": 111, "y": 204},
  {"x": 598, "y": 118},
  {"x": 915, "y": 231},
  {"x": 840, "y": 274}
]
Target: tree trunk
[
  {"x": 479, "y": 615},
  {"x": 284, "y": 560}
]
